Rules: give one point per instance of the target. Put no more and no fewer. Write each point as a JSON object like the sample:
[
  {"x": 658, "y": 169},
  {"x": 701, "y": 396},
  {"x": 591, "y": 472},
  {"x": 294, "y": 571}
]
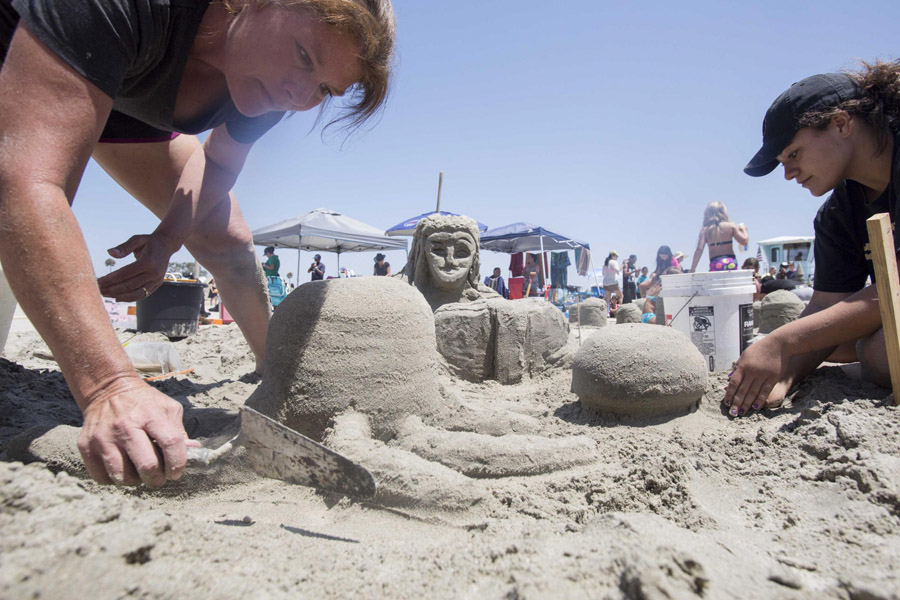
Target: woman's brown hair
[{"x": 878, "y": 102}]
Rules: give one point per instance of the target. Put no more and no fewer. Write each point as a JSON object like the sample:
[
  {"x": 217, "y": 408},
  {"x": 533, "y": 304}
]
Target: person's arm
[
  {"x": 210, "y": 173},
  {"x": 740, "y": 234},
  {"x": 698, "y": 253},
  {"x": 388, "y": 274},
  {"x": 790, "y": 353},
  {"x": 45, "y": 143}
]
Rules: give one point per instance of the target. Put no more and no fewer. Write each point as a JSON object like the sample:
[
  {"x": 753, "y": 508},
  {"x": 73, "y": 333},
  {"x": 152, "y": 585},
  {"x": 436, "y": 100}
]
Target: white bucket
[
  {"x": 715, "y": 310},
  {"x": 7, "y": 309}
]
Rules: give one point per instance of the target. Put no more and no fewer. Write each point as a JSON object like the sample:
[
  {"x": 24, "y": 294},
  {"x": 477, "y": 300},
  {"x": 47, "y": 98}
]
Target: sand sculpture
[
  {"x": 444, "y": 262},
  {"x": 353, "y": 362},
  {"x": 502, "y": 340},
  {"x": 616, "y": 373},
  {"x": 592, "y": 313},
  {"x": 779, "y": 308},
  {"x": 628, "y": 313},
  {"x": 480, "y": 335}
]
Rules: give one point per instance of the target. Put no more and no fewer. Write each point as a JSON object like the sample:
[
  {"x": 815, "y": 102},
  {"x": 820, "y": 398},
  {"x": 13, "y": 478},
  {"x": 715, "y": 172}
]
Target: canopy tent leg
[{"x": 543, "y": 266}]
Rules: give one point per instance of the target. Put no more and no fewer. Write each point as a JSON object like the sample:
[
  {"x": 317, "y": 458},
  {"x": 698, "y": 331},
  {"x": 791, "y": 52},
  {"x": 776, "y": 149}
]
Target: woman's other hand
[{"x": 139, "y": 279}]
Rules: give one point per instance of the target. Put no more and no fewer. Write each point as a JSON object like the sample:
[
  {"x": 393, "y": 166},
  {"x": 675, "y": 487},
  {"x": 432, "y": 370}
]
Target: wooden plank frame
[{"x": 884, "y": 258}]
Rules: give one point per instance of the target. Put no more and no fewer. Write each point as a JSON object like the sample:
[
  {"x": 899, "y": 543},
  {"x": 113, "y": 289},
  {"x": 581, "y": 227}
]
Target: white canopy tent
[{"x": 324, "y": 230}]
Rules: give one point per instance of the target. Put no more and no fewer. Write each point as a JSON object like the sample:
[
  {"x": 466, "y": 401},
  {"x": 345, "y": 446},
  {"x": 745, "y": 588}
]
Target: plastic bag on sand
[{"x": 153, "y": 357}]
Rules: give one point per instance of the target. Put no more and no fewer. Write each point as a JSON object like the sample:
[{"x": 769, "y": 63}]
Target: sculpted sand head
[{"x": 444, "y": 263}]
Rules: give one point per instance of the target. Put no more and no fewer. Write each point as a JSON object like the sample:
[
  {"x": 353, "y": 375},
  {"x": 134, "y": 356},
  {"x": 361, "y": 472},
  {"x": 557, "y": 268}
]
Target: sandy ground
[{"x": 797, "y": 503}]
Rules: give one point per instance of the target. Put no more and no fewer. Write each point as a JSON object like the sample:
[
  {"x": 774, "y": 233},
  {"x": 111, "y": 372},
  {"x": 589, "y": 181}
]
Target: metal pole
[
  {"x": 440, "y": 183},
  {"x": 543, "y": 266}
]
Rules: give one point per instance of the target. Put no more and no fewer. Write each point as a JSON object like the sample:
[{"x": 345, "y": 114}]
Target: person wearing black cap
[
  {"x": 833, "y": 133},
  {"x": 317, "y": 268},
  {"x": 382, "y": 268}
]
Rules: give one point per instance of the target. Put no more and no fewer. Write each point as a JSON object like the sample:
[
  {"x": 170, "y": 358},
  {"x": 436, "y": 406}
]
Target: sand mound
[
  {"x": 636, "y": 370},
  {"x": 364, "y": 343}
]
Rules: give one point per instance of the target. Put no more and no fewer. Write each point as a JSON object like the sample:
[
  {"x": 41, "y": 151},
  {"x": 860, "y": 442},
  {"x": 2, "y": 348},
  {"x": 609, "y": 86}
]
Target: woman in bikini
[{"x": 718, "y": 232}]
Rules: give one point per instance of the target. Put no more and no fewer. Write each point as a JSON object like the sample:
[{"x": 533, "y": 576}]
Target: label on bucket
[
  {"x": 746, "y": 313},
  {"x": 703, "y": 331}
]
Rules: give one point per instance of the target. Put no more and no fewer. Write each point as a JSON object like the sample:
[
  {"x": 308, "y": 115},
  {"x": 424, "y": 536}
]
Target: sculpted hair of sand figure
[{"x": 420, "y": 269}]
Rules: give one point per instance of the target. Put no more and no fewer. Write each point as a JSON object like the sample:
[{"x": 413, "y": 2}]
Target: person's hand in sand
[
  {"x": 133, "y": 434},
  {"x": 758, "y": 371},
  {"x": 139, "y": 279}
]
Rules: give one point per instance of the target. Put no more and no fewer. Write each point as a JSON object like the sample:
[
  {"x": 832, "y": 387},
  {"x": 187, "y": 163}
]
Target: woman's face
[
  {"x": 817, "y": 159},
  {"x": 450, "y": 256},
  {"x": 286, "y": 59},
  {"x": 664, "y": 257}
]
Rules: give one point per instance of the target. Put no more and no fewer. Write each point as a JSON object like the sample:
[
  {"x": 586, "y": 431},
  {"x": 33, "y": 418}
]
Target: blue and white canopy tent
[
  {"x": 408, "y": 227},
  {"x": 525, "y": 237},
  {"x": 324, "y": 230}
]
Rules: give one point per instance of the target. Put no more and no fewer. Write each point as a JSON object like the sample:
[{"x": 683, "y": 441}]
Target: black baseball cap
[{"x": 818, "y": 92}]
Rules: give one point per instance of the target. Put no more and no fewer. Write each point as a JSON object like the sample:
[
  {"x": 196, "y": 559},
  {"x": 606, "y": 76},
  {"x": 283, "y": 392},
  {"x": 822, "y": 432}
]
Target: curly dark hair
[{"x": 877, "y": 104}]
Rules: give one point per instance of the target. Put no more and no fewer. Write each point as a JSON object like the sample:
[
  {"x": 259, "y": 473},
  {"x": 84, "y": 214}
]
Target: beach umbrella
[{"x": 408, "y": 227}]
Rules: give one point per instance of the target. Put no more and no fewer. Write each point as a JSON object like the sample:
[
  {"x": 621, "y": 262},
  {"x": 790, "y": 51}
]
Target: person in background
[
  {"x": 129, "y": 84},
  {"x": 317, "y": 268},
  {"x": 272, "y": 264},
  {"x": 717, "y": 233},
  {"x": 382, "y": 268},
  {"x": 641, "y": 279},
  {"x": 751, "y": 264},
  {"x": 838, "y": 133},
  {"x": 496, "y": 283},
  {"x": 629, "y": 287},
  {"x": 530, "y": 272},
  {"x": 611, "y": 272},
  {"x": 665, "y": 264}
]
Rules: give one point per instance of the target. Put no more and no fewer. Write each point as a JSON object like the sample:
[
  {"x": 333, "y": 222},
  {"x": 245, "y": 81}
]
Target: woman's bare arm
[
  {"x": 740, "y": 234},
  {"x": 698, "y": 253},
  {"x": 207, "y": 177},
  {"x": 50, "y": 119}
]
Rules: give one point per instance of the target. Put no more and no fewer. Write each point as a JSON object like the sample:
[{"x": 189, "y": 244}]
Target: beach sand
[{"x": 802, "y": 502}]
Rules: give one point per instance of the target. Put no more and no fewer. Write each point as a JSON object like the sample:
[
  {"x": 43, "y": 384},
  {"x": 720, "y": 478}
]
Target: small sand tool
[
  {"x": 279, "y": 452},
  {"x": 884, "y": 258}
]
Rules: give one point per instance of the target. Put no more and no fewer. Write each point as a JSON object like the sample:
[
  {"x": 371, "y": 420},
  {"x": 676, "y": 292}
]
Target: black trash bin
[{"x": 172, "y": 309}]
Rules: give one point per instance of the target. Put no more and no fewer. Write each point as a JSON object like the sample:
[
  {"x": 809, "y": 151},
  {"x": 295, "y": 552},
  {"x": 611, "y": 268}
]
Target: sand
[{"x": 802, "y": 502}]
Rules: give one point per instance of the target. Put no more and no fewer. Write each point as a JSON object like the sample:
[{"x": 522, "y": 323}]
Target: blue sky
[{"x": 614, "y": 123}]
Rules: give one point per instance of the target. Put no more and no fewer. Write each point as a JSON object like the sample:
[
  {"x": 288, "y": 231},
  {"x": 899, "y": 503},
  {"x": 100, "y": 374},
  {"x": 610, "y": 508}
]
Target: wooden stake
[{"x": 884, "y": 257}]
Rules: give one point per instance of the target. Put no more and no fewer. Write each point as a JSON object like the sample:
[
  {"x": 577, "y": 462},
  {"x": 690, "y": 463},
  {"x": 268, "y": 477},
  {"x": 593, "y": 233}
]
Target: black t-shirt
[
  {"x": 843, "y": 259},
  {"x": 382, "y": 270},
  {"x": 135, "y": 51}
]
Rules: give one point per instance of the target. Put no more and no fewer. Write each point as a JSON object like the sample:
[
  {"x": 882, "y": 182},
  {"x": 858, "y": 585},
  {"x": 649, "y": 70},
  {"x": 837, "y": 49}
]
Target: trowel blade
[{"x": 279, "y": 452}]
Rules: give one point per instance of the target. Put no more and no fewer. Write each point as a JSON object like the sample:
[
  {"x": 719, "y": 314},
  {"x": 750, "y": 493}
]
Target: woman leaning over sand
[
  {"x": 835, "y": 133},
  {"x": 134, "y": 74}
]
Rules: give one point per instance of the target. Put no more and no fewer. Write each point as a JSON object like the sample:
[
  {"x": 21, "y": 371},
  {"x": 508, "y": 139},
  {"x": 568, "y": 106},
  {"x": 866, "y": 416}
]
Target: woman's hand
[
  {"x": 759, "y": 370},
  {"x": 139, "y": 279},
  {"x": 133, "y": 434}
]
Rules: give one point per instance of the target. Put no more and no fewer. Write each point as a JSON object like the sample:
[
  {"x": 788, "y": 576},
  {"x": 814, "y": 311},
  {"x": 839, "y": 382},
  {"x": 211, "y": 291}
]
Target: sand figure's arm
[
  {"x": 404, "y": 480},
  {"x": 44, "y": 147},
  {"x": 478, "y": 455},
  {"x": 791, "y": 352}
]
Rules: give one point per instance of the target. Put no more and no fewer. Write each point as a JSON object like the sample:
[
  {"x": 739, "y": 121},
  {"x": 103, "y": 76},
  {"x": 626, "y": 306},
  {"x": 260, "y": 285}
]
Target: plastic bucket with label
[
  {"x": 7, "y": 309},
  {"x": 715, "y": 310}
]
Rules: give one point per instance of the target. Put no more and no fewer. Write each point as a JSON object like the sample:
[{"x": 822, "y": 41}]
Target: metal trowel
[{"x": 279, "y": 452}]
